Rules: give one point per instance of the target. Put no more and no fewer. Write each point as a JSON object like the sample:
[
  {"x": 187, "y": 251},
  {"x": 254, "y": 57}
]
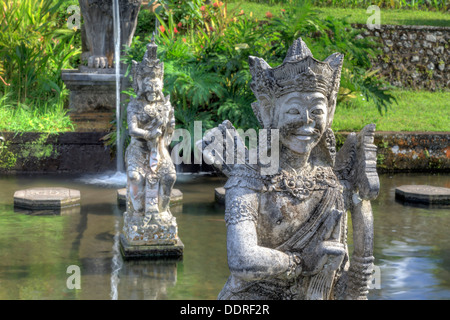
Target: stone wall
[
  {"x": 84, "y": 152},
  {"x": 72, "y": 152},
  {"x": 410, "y": 151},
  {"x": 416, "y": 57},
  {"x": 413, "y": 151}
]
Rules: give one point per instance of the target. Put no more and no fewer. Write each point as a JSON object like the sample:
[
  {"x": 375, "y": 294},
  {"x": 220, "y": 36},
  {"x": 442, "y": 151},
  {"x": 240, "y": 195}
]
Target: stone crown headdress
[
  {"x": 151, "y": 66},
  {"x": 300, "y": 71}
]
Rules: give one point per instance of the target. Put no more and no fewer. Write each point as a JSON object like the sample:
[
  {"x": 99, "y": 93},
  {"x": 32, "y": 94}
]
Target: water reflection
[
  {"x": 147, "y": 280},
  {"x": 408, "y": 272},
  {"x": 412, "y": 246}
]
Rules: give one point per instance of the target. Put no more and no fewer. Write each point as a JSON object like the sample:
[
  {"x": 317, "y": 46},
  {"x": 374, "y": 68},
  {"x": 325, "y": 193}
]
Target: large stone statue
[
  {"x": 150, "y": 171},
  {"x": 287, "y": 231},
  {"x": 99, "y": 32}
]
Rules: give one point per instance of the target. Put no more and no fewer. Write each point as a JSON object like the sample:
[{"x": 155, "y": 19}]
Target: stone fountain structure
[
  {"x": 150, "y": 229},
  {"x": 287, "y": 228},
  {"x": 93, "y": 85}
]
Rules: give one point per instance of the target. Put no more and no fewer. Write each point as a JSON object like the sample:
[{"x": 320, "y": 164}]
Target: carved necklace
[{"x": 302, "y": 185}]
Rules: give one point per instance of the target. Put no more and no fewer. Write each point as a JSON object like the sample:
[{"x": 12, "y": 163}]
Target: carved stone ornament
[
  {"x": 287, "y": 232},
  {"x": 150, "y": 171},
  {"x": 98, "y": 32}
]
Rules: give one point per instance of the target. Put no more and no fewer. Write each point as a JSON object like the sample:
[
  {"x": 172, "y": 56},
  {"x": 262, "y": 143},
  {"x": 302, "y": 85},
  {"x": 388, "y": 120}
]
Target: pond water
[{"x": 412, "y": 247}]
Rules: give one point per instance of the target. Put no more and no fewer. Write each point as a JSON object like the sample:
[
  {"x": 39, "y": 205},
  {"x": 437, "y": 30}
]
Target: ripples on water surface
[{"x": 412, "y": 246}]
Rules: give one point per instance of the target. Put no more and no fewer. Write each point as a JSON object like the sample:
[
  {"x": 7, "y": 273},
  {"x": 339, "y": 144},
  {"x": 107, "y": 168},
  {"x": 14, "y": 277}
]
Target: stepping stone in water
[
  {"x": 41, "y": 199},
  {"x": 423, "y": 194}
]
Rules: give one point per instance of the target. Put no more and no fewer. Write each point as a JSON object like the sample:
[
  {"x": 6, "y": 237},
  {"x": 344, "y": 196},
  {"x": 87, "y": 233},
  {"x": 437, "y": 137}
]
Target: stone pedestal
[
  {"x": 93, "y": 91},
  {"x": 153, "y": 251},
  {"x": 159, "y": 240}
]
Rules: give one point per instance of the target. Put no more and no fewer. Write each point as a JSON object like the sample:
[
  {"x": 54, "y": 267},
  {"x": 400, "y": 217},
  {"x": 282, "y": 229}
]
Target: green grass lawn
[
  {"x": 415, "y": 111},
  {"x": 356, "y": 15},
  {"x": 391, "y": 16}
]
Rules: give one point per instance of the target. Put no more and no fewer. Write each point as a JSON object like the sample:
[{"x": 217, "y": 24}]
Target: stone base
[
  {"x": 92, "y": 121},
  {"x": 176, "y": 197},
  {"x": 90, "y": 92},
  {"x": 129, "y": 251}
]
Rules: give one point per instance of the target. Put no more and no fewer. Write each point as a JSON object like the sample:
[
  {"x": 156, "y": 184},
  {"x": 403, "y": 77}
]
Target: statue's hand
[
  {"x": 214, "y": 147},
  {"x": 295, "y": 266},
  {"x": 328, "y": 254},
  {"x": 356, "y": 164},
  {"x": 152, "y": 134}
]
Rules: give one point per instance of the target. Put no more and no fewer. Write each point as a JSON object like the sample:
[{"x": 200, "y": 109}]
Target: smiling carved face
[{"x": 302, "y": 120}]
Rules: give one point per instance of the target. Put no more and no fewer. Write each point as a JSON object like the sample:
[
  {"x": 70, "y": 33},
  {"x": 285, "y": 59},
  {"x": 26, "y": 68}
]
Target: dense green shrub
[
  {"x": 33, "y": 51},
  {"x": 146, "y": 23},
  {"x": 189, "y": 13}
]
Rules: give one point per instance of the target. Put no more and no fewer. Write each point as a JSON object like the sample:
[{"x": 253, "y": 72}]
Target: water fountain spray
[{"x": 117, "y": 33}]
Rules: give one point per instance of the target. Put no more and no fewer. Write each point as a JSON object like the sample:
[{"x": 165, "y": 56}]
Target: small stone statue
[
  {"x": 150, "y": 170},
  {"x": 99, "y": 33},
  {"x": 287, "y": 231}
]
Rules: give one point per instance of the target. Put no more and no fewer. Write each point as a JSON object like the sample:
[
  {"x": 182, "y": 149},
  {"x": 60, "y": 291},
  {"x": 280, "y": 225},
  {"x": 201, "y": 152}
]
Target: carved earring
[
  {"x": 326, "y": 148},
  {"x": 330, "y": 143}
]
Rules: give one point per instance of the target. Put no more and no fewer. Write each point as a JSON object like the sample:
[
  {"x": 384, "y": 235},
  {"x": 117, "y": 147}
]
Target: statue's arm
[
  {"x": 361, "y": 264},
  {"x": 246, "y": 259},
  {"x": 171, "y": 123},
  {"x": 356, "y": 165},
  {"x": 137, "y": 132},
  {"x": 134, "y": 129}
]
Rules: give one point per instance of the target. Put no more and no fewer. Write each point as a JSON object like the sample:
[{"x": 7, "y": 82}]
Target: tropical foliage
[
  {"x": 33, "y": 51},
  {"x": 206, "y": 63}
]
